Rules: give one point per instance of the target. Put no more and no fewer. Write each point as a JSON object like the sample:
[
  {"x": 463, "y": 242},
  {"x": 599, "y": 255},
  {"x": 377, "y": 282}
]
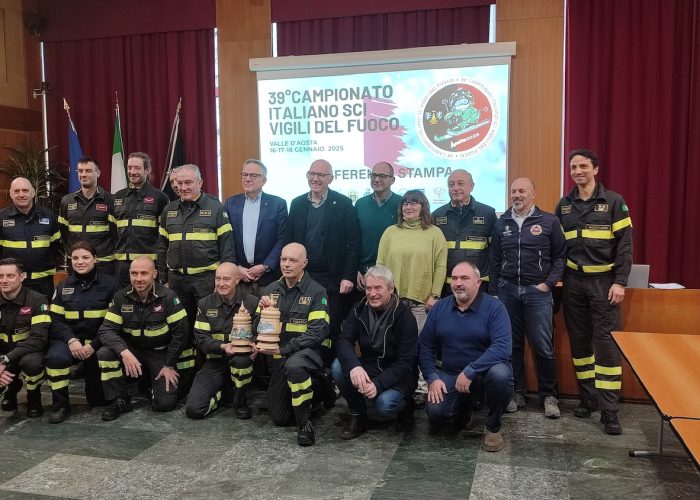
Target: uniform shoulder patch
[
  {"x": 43, "y": 307},
  {"x": 623, "y": 208},
  {"x": 324, "y": 301},
  {"x": 176, "y": 301}
]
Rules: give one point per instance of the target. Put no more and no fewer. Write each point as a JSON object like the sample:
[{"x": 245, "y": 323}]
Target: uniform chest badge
[
  {"x": 127, "y": 308},
  {"x": 118, "y": 202},
  {"x": 601, "y": 207},
  {"x": 25, "y": 310},
  {"x": 440, "y": 221},
  {"x": 205, "y": 213},
  {"x": 478, "y": 220},
  {"x": 158, "y": 308},
  {"x": 102, "y": 207},
  {"x": 72, "y": 206},
  {"x": 44, "y": 221},
  {"x": 67, "y": 291},
  {"x": 8, "y": 223},
  {"x": 305, "y": 301},
  {"x": 565, "y": 209},
  {"x": 172, "y": 213},
  {"x": 536, "y": 230},
  {"x": 149, "y": 200},
  {"x": 212, "y": 313}
]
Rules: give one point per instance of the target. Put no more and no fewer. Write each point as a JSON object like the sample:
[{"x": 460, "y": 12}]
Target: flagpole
[{"x": 171, "y": 146}]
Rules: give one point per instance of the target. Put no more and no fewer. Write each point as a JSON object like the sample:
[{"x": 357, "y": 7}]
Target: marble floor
[{"x": 148, "y": 455}]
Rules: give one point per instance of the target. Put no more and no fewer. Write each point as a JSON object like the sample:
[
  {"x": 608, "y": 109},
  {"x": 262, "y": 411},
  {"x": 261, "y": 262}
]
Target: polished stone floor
[{"x": 148, "y": 455}]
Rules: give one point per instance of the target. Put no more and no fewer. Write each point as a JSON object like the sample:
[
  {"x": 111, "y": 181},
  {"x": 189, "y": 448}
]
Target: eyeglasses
[
  {"x": 381, "y": 177},
  {"x": 411, "y": 203},
  {"x": 318, "y": 175},
  {"x": 246, "y": 175}
]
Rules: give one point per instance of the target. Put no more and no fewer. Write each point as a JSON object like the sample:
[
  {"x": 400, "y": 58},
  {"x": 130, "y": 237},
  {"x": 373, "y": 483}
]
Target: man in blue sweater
[{"x": 472, "y": 331}]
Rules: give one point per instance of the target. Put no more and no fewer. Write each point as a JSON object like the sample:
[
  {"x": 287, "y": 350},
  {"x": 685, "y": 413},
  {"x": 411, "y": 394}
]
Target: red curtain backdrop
[
  {"x": 633, "y": 95},
  {"x": 150, "y": 73},
  {"x": 396, "y": 30}
]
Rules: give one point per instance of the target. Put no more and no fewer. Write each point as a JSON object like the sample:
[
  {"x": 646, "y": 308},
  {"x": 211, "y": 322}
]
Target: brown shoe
[{"x": 493, "y": 441}]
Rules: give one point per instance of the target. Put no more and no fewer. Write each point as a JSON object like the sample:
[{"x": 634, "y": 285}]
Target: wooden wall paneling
[
  {"x": 535, "y": 144},
  {"x": 13, "y": 73},
  {"x": 244, "y": 32}
]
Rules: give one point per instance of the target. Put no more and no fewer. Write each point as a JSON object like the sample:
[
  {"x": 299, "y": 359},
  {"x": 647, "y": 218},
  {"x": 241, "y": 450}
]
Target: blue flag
[{"x": 76, "y": 153}]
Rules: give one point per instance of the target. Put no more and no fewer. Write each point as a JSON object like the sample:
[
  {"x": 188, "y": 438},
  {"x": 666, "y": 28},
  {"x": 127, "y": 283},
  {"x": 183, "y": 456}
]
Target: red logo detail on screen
[
  {"x": 101, "y": 207},
  {"x": 25, "y": 310},
  {"x": 149, "y": 200}
]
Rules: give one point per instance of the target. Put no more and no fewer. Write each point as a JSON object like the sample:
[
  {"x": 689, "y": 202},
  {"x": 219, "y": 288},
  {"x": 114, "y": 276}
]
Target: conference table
[
  {"x": 668, "y": 367},
  {"x": 688, "y": 431}
]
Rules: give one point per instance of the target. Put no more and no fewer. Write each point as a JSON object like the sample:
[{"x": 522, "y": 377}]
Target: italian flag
[{"x": 118, "y": 171}]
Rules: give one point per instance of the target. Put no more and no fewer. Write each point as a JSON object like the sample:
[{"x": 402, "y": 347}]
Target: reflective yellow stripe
[
  {"x": 570, "y": 235},
  {"x": 123, "y": 223},
  {"x": 56, "y": 236},
  {"x": 143, "y": 223},
  {"x": 106, "y": 258},
  {"x": 451, "y": 244},
  {"x": 218, "y": 336},
  {"x": 114, "y": 318},
  {"x": 97, "y": 228},
  {"x": 108, "y": 364},
  {"x": 585, "y": 375},
  {"x": 34, "y": 378},
  {"x": 111, "y": 218},
  {"x": 58, "y": 385},
  {"x": 104, "y": 376},
  {"x": 16, "y": 337},
  {"x": 621, "y": 224},
  {"x": 304, "y": 397},
  {"x": 590, "y": 269},
  {"x": 75, "y": 228},
  {"x": 134, "y": 332},
  {"x": 327, "y": 343},
  {"x": 62, "y": 220},
  {"x": 296, "y": 328},
  {"x": 597, "y": 234},
  {"x": 226, "y": 228},
  {"x": 55, "y": 308},
  {"x": 214, "y": 356},
  {"x": 42, "y": 274},
  {"x": 319, "y": 315},
  {"x": 300, "y": 386},
  {"x": 173, "y": 236},
  {"x": 184, "y": 365},
  {"x": 197, "y": 270},
  {"x": 41, "y": 318},
  {"x": 4, "y": 338},
  {"x": 57, "y": 372},
  {"x": 176, "y": 316},
  {"x": 72, "y": 315},
  {"x": 200, "y": 236},
  {"x": 95, "y": 314},
  {"x": 162, "y": 232},
  {"x": 187, "y": 352},
  {"x": 606, "y": 384},
  {"x": 241, "y": 371},
  {"x": 155, "y": 333},
  {"x": 41, "y": 243},
  {"x": 202, "y": 325},
  {"x": 14, "y": 244},
  {"x": 241, "y": 382},
  {"x": 583, "y": 361},
  {"x": 134, "y": 256},
  {"x": 472, "y": 245},
  {"x": 608, "y": 370}
]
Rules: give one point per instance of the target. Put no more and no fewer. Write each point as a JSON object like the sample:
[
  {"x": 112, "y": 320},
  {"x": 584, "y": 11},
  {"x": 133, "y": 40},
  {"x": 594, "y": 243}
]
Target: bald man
[
  {"x": 527, "y": 260},
  {"x": 145, "y": 325},
  {"x": 30, "y": 234},
  {"x": 296, "y": 368},
  {"x": 467, "y": 226},
  {"x": 224, "y": 371},
  {"x": 324, "y": 221}
]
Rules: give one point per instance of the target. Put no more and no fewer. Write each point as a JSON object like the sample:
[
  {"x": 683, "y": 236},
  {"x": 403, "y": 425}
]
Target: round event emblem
[
  {"x": 457, "y": 118},
  {"x": 536, "y": 229}
]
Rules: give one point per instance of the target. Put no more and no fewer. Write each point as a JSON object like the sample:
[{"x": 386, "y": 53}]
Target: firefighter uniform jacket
[
  {"x": 160, "y": 323},
  {"x": 195, "y": 237},
  {"x": 215, "y": 318},
  {"x": 137, "y": 213},
  {"x": 80, "y": 304},
  {"x": 598, "y": 234},
  {"x": 303, "y": 313},
  {"x": 468, "y": 233},
  {"x": 90, "y": 220},
  {"x": 32, "y": 238},
  {"x": 24, "y": 324},
  {"x": 529, "y": 255}
]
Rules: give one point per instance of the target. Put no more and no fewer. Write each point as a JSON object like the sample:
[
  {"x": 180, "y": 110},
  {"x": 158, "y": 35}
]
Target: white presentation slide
[{"x": 426, "y": 117}]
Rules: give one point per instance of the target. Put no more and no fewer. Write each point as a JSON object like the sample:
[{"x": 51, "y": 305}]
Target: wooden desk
[
  {"x": 668, "y": 368},
  {"x": 688, "y": 432}
]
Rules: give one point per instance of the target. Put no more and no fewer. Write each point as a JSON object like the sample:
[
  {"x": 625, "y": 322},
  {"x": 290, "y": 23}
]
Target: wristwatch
[
  {"x": 4, "y": 360},
  {"x": 266, "y": 268}
]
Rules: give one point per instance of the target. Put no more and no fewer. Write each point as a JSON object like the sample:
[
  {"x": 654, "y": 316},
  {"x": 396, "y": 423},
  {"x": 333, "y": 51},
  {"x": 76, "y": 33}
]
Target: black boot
[
  {"x": 118, "y": 406},
  {"x": 585, "y": 407},
  {"x": 306, "y": 435},
  {"x": 356, "y": 426},
  {"x": 59, "y": 415},
  {"x": 405, "y": 420},
  {"x": 611, "y": 424},
  {"x": 8, "y": 394},
  {"x": 34, "y": 408}
]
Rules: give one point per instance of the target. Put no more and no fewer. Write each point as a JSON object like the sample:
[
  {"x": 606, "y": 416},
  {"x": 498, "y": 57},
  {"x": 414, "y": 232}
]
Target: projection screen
[{"x": 427, "y": 111}]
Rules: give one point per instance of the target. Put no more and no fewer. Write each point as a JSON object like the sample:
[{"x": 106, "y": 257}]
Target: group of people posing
[{"x": 398, "y": 307}]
